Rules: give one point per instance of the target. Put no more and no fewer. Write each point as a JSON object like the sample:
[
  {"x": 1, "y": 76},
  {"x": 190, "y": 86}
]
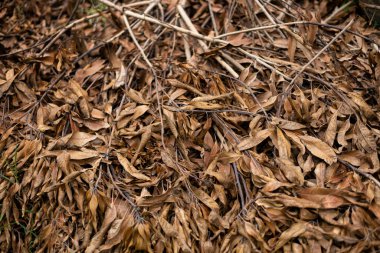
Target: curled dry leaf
[
  {"x": 205, "y": 198},
  {"x": 319, "y": 149},
  {"x": 130, "y": 168},
  {"x": 80, "y": 139},
  {"x": 251, "y": 142},
  {"x": 295, "y": 230}
]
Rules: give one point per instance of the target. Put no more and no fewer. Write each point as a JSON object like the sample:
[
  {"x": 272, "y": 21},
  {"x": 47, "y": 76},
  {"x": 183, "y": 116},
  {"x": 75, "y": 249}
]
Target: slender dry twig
[
  {"x": 150, "y": 65},
  {"x": 321, "y": 51},
  {"x": 161, "y": 23},
  {"x": 232, "y": 60},
  {"x": 367, "y": 175},
  {"x": 220, "y": 122},
  {"x": 195, "y": 34},
  {"x": 64, "y": 29},
  {"x": 139, "y": 3},
  {"x": 190, "y": 25},
  {"x": 291, "y": 84},
  {"x": 263, "y": 62},
  {"x": 186, "y": 45},
  {"x": 238, "y": 185},
  {"x": 269, "y": 16},
  {"x": 282, "y": 25},
  {"x": 136, "y": 42},
  {"x": 336, "y": 12},
  {"x": 212, "y": 17}
]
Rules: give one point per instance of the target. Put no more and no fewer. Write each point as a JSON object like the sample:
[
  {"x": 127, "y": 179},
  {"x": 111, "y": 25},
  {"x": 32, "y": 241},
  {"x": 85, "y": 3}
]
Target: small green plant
[
  {"x": 13, "y": 166},
  {"x": 96, "y": 6}
]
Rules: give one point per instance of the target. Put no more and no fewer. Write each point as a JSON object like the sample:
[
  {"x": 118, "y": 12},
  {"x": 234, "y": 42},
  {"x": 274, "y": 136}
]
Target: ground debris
[{"x": 188, "y": 126}]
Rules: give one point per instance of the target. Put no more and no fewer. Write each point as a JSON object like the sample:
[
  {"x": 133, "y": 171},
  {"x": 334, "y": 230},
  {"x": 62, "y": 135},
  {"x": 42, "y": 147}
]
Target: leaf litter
[{"x": 188, "y": 126}]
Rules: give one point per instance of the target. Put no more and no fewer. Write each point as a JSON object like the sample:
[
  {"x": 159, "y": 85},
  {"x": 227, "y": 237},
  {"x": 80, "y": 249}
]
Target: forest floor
[{"x": 189, "y": 126}]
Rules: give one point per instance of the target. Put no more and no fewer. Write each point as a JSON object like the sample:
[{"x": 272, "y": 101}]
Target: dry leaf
[
  {"x": 130, "y": 168},
  {"x": 319, "y": 149}
]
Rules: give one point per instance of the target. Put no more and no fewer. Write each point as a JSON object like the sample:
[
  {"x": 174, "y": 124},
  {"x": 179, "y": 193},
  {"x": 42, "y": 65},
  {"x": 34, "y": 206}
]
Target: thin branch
[
  {"x": 290, "y": 87},
  {"x": 212, "y": 17},
  {"x": 369, "y": 176},
  {"x": 322, "y": 50},
  {"x": 139, "y": 3},
  {"x": 269, "y": 16},
  {"x": 64, "y": 29},
  {"x": 195, "y": 34},
  {"x": 158, "y": 22},
  {"x": 190, "y": 25},
  {"x": 336, "y": 12},
  {"x": 136, "y": 42},
  {"x": 282, "y": 25},
  {"x": 263, "y": 62}
]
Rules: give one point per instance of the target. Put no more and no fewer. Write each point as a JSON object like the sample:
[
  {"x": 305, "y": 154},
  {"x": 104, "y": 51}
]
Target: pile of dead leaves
[{"x": 188, "y": 126}]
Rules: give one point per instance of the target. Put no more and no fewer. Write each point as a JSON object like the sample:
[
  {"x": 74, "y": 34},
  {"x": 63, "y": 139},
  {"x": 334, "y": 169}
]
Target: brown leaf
[
  {"x": 325, "y": 197},
  {"x": 251, "y": 142},
  {"x": 95, "y": 125},
  {"x": 6, "y": 84},
  {"x": 171, "y": 122},
  {"x": 202, "y": 105},
  {"x": 74, "y": 154},
  {"x": 205, "y": 198},
  {"x": 331, "y": 130},
  {"x": 121, "y": 77},
  {"x": 130, "y": 168},
  {"x": 80, "y": 139},
  {"x": 342, "y": 134},
  {"x": 292, "y": 173},
  {"x": 97, "y": 239},
  {"x": 136, "y": 96},
  {"x": 283, "y": 145},
  {"x": 319, "y": 149},
  {"x": 292, "y": 46},
  {"x": 89, "y": 70},
  {"x": 295, "y": 230},
  {"x": 366, "y": 139},
  {"x": 286, "y": 124}
]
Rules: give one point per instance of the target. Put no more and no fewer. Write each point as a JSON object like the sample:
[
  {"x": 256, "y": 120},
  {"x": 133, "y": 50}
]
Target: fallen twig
[
  {"x": 291, "y": 84},
  {"x": 369, "y": 176}
]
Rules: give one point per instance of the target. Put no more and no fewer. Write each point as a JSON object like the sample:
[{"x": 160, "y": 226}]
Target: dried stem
[
  {"x": 283, "y": 25},
  {"x": 190, "y": 25},
  {"x": 369, "y": 176},
  {"x": 64, "y": 29},
  {"x": 336, "y": 12},
  {"x": 290, "y": 87}
]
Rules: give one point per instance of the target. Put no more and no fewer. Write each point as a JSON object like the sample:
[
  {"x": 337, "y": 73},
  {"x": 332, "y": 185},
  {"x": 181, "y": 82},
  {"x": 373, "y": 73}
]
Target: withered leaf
[
  {"x": 319, "y": 148},
  {"x": 331, "y": 130},
  {"x": 171, "y": 121},
  {"x": 74, "y": 154},
  {"x": 325, "y": 197},
  {"x": 89, "y": 70},
  {"x": 286, "y": 124},
  {"x": 121, "y": 76},
  {"x": 283, "y": 145},
  {"x": 251, "y": 142},
  {"x": 295, "y": 230},
  {"x": 80, "y": 139},
  {"x": 292, "y": 173},
  {"x": 260, "y": 138},
  {"x": 205, "y": 198},
  {"x": 95, "y": 125},
  {"x": 130, "y": 168},
  {"x": 5, "y": 84}
]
